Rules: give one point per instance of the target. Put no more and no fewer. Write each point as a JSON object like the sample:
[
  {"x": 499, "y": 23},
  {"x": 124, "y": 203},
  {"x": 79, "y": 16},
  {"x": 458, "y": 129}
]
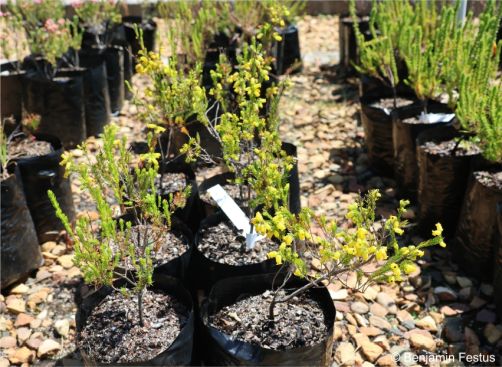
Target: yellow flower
[
  {"x": 288, "y": 239},
  {"x": 438, "y": 230},
  {"x": 408, "y": 268},
  {"x": 442, "y": 244},
  {"x": 381, "y": 254}
]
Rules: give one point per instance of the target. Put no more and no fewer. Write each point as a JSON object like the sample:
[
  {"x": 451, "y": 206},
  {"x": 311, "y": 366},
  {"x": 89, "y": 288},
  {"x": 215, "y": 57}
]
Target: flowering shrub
[
  {"x": 320, "y": 251},
  {"x": 12, "y": 38},
  {"x": 98, "y": 254},
  {"x": 97, "y": 14},
  {"x": 35, "y": 13},
  {"x": 54, "y": 39}
]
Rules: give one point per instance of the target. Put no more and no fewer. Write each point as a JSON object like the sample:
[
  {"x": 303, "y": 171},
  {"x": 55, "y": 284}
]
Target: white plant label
[
  {"x": 235, "y": 214},
  {"x": 431, "y": 118}
]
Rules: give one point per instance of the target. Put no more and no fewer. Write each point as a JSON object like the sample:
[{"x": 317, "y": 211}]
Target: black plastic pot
[
  {"x": 347, "y": 39},
  {"x": 149, "y": 28},
  {"x": 11, "y": 93},
  {"x": 224, "y": 350},
  {"x": 206, "y": 272},
  {"x": 60, "y": 102},
  {"x": 114, "y": 59},
  {"x": 497, "y": 277},
  {"x": 373, "y": 88},
  {"x": 97, "y": 97},
  {"x": 442, "y": 182},
  {"x": 207, "y": 141},
  {"x": 20, "y": 249},
  {"x": 191, "y": 213},
  {"x": 404, "y": 137},
  {"x": 40, "y": 174},
  {"x": 377, "y": 125},
  {"x": 119, "y": 38},
  {"x": 179, "y": 353},
  {"x": 474, "y": 245},
  {"x": 287, "y": 51}
]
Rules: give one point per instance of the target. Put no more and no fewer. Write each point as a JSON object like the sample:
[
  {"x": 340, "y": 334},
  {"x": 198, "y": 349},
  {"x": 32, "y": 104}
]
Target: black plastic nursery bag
[
  {"x": 11, "y": 93},
  {"x": 223, "y": 350},
  {"x": 20, "y": 249},
  {"x": 287, "y": 51}
]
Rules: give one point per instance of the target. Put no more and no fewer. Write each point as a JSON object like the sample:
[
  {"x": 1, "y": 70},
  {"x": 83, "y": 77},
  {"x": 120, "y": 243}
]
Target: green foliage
[
  {"x": 98, "y": 254},
  {"x": 54, "y": 39},
  {"x": 12, "y": 40},
  {"x": 97, "y": 14},
  {"x": 322, "y": 251},
  {"x": 34, "y": 14},
  {"x": 4, "y": 152},
  {"x": 191, "y": 26}
]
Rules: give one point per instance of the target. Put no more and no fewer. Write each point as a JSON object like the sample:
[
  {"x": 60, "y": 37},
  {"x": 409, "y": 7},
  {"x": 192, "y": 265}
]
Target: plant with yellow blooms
[
  {"x": 306, "y": 238},
  {"x": 250, "y": 142},
  {"x": 108, "y": 179},
  {"x": 172, "y": 99}
]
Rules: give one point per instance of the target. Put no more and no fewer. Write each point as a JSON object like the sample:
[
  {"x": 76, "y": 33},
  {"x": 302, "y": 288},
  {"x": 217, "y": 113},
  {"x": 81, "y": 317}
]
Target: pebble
[
  {"x": 492, "y": 333},
  {"x": 66, "y": 261},
  {"x": 464, "y": 282},
  {"x": 387, "y": 360},
  {"x": 486, "y": 316},
  {"x": 359, "y": 307},
  {"x": 420, "y": 341},
  {"x": 378, "y": 310},
  {"x": 7, "y": 342},
  {"x": 339, "y": 295},
  {"x": 380, "y": 323},
  {"x": 47, "y": 347},
  {"x": 345, "y": 354},
  {"x": 369, "y": 349},
  {"x": 19, "y": 289},
  {"x": 427, "y": 323},
  {"x": 23, "y": 334},
  {"x": 22, "y": 355},
  {"x": 23, "y": 319},
  {"x": 445, "y": 294},
  {"x": 62, "y": 327},
  {"x": 387, "y": 301},
  {"x": 16, "y": 305}
]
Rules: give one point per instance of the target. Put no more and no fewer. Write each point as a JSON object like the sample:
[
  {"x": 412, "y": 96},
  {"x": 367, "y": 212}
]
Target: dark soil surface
[
  {"x": 113, "y": 334},
  {"x": 224, "y": 244},
  {"x": 490, "y": 179},
  {"x": 298, "y": 322},
  {"x": 388, "y": 103},
  {"x": 232, "y": 190},
  {"x": 28, "y": 147},
  {"x": 171, "y": 183},
  {"x": 450, "y": 147},
  {"x": 168, "y": 245}
]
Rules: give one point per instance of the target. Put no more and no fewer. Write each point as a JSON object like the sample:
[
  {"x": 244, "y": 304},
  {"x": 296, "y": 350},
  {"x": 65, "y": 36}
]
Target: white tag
[
  {"x": 431, "y": 118},
  {"x": 235, "y": 214}
]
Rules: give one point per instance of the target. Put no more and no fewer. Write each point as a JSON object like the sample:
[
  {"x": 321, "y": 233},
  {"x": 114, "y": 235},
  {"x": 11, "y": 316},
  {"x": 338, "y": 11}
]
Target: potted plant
[
  {"x": 447, "y": 155},
  {"x": 477, "y": 226},
  {"x": 119, "y": 261},
  {"x": 37, "y": 157},
  {"x": 20, "y": 249},
  {"x": 312, "y": 252},
  {"x": 378, "y": 59},
  {"x": 99, "y": 20},
  {"x": 424, "y": 50},
  {"x": 12, "y": 46}
]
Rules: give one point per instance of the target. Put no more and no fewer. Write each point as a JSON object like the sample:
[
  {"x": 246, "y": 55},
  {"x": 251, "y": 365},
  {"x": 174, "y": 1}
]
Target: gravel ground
[{"x": 438, "y": 311}]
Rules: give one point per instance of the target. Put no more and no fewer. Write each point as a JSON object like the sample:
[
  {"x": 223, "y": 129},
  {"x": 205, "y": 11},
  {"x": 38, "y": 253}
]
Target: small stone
[
  {"x": 48, "y": 246},
  {"x": 359, "y": 307},
  {"x": 386, "y": 301},
  {"x": 19, "y": 289},
  {"x": 342, "y": 306},
  {"x": 420, "y": 341},
  {"x": 7, "y": 342},
  {"x": 35, "y": 323},
  {"x": 59, "y": 250},
  {"x": 465, "y": 294},
  {"x": 450, "y": 278},
  {"x": 22, "y": 355},
  {"x": 403, "y": 315},
  {"x": 66, "y": 261},
  {"x": 23, "y": 334},
  {"x": 370, "y": 350},
  {"x": 345, "y": 354},
  {"x": 380, "y": 323},
  {"x": 338, "y": 295},
  {"x": 464, "y": 282},
  {"x": 5, "y": 324},
  {"x": 378, "y": 310},
  {"x": 62, "y": 327},
  {"x": 427, "y": 323},
  {"x": 42, "y": 274},
  {"x": 23, "y": 319},
  {"x": 487, "y": 289},
  {"x": 477, "y": 302},
  {"x": 48, "y": 346},
  {"x": 370, "y": 331},
  {"x": 448, "y": 311},
  {"x": 492, "y": 333},
  {"x": 351, "y": 319},
  {"x": 4, "y": 362},
  {"x": 387, "y": 360},
  {"x": 16, "y": 305},
  {"x": 453, "y": 330},
  {"x": 445, "y": 294},
  {"x": 38, "y": 297},
  {"x": 361, "y": 321},
  {"x": 370, "y": 294},
  {"x": 486, "y": 316},
  {"x": 382, "y": 341},
  {"x": 34, "y": 343}
]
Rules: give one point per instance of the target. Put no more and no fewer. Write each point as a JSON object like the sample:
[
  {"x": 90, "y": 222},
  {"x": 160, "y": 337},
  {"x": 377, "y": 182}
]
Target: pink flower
[
  {"x": 77, "y": 4},
  {"x": 61, "y": 21},
  {"x": 37, "y": 1},
  {"x": 51, "y": 26}
]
